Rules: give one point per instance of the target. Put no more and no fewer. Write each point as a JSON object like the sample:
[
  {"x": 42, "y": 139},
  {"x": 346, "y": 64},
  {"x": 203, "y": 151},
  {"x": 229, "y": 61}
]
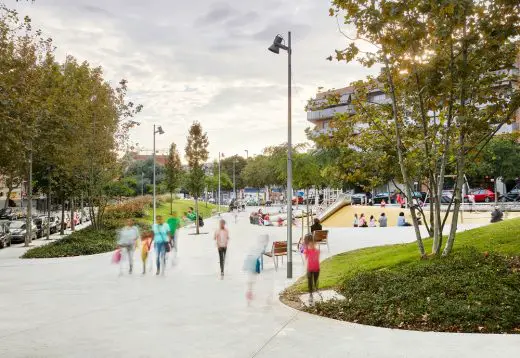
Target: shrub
[
  {"x": 133, "y": 208},
  {"x": 84, "y": 242},
  {"x": 466, "y": 292}
]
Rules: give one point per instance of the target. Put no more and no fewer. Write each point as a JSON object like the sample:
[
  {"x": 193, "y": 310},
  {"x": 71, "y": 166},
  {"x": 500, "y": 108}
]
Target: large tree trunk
[
  {"x": 404, "y": 171},
  {"x": 197, "y": 214},
  {"x": 72, "y": 224},
  {"x": 62, "y": 230}
]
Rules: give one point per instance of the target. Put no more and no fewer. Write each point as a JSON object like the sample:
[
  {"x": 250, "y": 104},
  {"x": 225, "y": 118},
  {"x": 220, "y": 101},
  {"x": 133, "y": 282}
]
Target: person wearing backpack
[{"x": 161, "y": 238}]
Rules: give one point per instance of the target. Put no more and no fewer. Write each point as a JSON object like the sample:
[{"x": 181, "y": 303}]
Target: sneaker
[
  {"x": 222, "y": 275},
  {"x": 157, "y": 273}
]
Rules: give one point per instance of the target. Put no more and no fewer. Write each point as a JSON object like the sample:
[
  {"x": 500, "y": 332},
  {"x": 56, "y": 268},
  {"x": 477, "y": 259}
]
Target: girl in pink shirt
[{"x": 312, "y": 256}]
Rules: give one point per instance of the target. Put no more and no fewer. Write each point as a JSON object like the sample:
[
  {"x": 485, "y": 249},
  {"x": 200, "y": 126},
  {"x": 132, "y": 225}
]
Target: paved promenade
[{"x": 80, "y": 307}]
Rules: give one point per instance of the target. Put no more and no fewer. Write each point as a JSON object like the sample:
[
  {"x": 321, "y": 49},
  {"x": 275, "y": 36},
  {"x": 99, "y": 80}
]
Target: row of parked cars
[{"x": 13, "y": 226}]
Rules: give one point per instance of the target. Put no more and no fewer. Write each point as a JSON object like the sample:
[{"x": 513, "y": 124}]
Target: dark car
[
  {"x": 8, "y": 214},
  {"x": 5, "y": 235},
  {"x": 513, "y": 195},
  {"x": 378, "y": 198}
]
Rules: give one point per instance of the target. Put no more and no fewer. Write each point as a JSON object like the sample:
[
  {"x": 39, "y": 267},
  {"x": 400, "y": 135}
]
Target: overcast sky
[{"x": 203, "y": 60}]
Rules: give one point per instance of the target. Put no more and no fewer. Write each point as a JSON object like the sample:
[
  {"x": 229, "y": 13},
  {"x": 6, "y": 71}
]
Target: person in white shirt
[{"x": 127, "y": 240}]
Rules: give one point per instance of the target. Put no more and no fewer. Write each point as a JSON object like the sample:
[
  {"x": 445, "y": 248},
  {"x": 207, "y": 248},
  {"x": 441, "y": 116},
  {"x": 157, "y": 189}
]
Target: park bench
[
  {"x": 321, "y": 238},
  {"x": 279, "y": 248}
]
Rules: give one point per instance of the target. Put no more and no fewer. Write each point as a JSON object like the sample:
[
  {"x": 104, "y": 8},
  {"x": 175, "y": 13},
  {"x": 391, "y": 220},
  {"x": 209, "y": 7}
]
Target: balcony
[{"x": 328, "y": 113}]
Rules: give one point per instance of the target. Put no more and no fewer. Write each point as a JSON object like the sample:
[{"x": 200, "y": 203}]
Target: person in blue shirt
[
  {"x": 161, "y": 238},
  {"x": 401, "y": 221}
]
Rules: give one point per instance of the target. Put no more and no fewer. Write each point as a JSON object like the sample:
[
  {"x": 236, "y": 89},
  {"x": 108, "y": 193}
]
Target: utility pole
[{"x": 234, "y": 180}]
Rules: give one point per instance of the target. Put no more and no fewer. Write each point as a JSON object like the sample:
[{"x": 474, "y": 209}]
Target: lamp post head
[
  {"x": 160, "y": 130},
  {"x": 277, "y": 45}
]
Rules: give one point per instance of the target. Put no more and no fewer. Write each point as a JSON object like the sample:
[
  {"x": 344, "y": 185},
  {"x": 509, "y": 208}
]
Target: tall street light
[
  {"x": 247, "y": 153},
  {"x": 278, "y": 44},
  {"x": 234, "y": 180},
  {"x": 220, "y": 155},
  {"x": 155, "y": 131}
]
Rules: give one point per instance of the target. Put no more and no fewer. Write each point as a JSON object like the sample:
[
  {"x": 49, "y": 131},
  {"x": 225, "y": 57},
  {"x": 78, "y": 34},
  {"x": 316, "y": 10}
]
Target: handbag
[
  {"x": 116, "y": 258},
  {"x": 168, "y": 247}
]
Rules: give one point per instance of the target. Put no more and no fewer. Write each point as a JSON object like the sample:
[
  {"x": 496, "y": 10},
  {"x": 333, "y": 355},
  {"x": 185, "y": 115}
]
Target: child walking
[
  {"x": 146, "y": 244},
  {"x": 312, "y": 255}
]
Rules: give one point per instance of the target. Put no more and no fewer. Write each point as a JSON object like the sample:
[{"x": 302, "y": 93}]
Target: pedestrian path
[{"x": 80, "y": 307}]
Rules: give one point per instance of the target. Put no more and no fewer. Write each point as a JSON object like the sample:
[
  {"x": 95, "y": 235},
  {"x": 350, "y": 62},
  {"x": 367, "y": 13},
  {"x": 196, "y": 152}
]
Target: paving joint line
[{"x": 275, "y": 334}]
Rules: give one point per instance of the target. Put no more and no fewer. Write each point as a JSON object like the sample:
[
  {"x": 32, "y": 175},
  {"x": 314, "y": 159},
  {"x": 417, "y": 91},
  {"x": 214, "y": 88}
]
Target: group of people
[
  {"x": 362, "y": 221},
  {"x": 259, "y": 218},
  {"x": 163, "y": 235}
]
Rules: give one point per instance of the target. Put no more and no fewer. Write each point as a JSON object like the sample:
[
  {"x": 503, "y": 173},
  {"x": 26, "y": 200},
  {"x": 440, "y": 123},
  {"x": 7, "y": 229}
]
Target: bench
[
  {"x": 321, "y": 238},
  {"x": 279, "y": 248}
]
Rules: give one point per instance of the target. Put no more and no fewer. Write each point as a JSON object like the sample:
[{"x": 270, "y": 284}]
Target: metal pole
[
  {"x": 153, "y": 156},
  {"x": 247, "y": 154},
  {"x": 219, "y": 183},
  {"x": 289, "y": 165},
  {"x": 142, "y": 183}
]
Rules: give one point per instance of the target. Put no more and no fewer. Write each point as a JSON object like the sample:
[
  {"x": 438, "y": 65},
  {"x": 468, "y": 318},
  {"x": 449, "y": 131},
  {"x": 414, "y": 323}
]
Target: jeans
[
  {"x": 222, "y": 257},
  {"x": 312, "y": 281},
  {"x": 161, "y": 254},
  {"x": 128, "y": 250}
]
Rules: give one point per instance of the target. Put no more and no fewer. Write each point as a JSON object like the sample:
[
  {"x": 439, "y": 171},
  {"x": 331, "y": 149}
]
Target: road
[{"x": 81, "y": 307}]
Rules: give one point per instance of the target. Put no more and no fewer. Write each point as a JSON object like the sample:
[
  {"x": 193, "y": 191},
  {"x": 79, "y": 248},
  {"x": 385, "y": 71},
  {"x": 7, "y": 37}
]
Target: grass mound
[
  {"x": 475, "y": 289},
  {"x": 467, "y": 292},
  {"x": 84, "y": 242}
]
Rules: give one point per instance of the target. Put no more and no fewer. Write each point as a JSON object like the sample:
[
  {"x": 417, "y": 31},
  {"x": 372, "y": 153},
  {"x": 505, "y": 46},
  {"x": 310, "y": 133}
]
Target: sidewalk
[{"x": 79, "y": 307}]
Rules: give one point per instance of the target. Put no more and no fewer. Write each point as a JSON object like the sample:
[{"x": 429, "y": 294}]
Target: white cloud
[{"x": 203, "y": 60}]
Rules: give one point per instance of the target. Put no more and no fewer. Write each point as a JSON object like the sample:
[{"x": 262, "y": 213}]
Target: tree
[
  {"x": 196, "y": 154},
  {"x": 173, "y": 171},
  {"x": 233, "y": 166},
  {"x": 307, "y": 173},
  {"x": 446, "y": 69}
]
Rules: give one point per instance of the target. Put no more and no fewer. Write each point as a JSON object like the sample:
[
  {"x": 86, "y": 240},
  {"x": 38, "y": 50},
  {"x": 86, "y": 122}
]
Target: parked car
[
  {"x": 444, "y": 200},
  {"x": 360, "y": 198},
  {"x": 54, "y": 224},
  {"x": 10, "y": 214},
  {"x": 378, "y": 198},
  {"x": 5, "y": 235},
  {"x": 513, "y": 195},
  {"x": 482, "y": 195},
  {"x": 18, "y": 231}
]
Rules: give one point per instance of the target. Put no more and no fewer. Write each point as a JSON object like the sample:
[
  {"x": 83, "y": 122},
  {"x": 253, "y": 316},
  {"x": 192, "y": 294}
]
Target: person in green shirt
[
  {"x": 174, "y": 223},
  {"x": 191, "y": 215}
]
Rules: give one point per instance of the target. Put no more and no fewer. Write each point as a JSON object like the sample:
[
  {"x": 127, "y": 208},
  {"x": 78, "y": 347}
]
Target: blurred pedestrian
[
  {"x": 316, "y": 225},
  {"x": 127, "y": 240},
  {"x": 372, "y": 222},
  {"x": 221, "y": 239},
  {"x": 146, "y": 244},
  {"x": 362, "y": 221},
  {"x": 161, "y": 238},
  {"x": 312, "y": 256},
  {"x": 383, "y": 220},
  {"x": 174, "y": 224},
  {"x": 253, "y": 265},
  {"x": 356, "y": 220}
]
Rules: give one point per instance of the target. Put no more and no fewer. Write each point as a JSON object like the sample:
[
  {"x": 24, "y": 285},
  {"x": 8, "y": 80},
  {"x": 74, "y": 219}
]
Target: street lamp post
[
  {"x": 234, "y": 180},
  {"x": 275, "y": 48},
  {"x": 219, "y": 155},
  {"x": 247, "y": 153},
  {"x": 155, "y": 131}
]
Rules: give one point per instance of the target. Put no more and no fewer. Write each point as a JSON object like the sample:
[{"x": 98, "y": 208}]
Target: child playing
[
  {"x": 312, "y": 255},
  {"x": 146, "y": 243},
  {"x": 372, "y": 222}
]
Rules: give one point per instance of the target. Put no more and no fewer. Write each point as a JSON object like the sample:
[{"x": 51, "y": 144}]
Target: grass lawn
[
  {"x": 181, "y": 207},
  {"x": 90, "y": 242},
  {"x": 476, "y": 289}
]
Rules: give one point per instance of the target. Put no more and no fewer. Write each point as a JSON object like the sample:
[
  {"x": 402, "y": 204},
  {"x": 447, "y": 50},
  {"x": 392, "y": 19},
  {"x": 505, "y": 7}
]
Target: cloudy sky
[{"x": 203, "y": 60}]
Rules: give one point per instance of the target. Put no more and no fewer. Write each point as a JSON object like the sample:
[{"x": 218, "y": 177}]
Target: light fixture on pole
[
  {"x": 247, "y": 153},
  {"x": 278, "y": 44},
  {"x": 220, "y": 155},
  {"x": 155, "y": 131}
]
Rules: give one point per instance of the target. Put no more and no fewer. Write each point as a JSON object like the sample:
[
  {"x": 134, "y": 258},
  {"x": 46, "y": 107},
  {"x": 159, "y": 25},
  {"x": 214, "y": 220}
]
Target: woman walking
[
  {"x": 312, "y": 256},
  {"x": 126, "y": 242},
  {"x": 161, "y": 238},
  {"x": 221, "y": 238}
]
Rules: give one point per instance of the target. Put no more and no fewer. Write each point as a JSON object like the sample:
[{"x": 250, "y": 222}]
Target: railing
[{"x": 329, "y": 112}]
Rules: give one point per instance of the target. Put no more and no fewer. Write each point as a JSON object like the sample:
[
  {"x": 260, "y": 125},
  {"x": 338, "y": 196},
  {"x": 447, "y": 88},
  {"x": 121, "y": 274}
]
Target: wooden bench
[
  {"x": 321, "y": 238},
  {"x": 279, "y": 248}
]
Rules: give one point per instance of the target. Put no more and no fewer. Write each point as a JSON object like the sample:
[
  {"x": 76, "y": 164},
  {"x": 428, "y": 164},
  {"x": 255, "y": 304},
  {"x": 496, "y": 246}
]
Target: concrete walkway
[{"x": 80, "y": 307}]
